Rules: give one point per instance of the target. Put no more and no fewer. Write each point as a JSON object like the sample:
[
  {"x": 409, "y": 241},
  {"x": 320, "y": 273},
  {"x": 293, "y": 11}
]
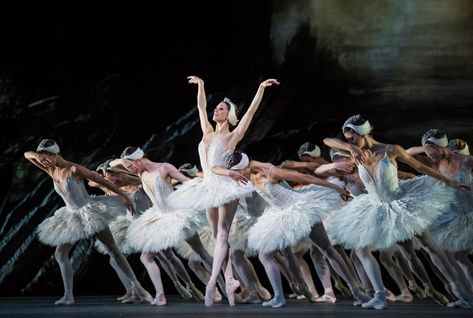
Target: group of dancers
[{"x": 237, "y": 208}]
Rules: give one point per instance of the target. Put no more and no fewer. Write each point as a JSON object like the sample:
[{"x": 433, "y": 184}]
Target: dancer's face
[
  {"x": 48, "y": 160},
  {"x": 353, "y": 138},
  {"x": 434, "y": 153},
  {"x": 220, "y": 112}
]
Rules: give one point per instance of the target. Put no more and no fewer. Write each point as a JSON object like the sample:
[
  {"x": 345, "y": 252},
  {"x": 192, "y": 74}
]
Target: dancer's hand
[
  {"x": 357, "y": 154},
  {"x": 237, "y": 176},
  {"x": 344, "y": 167},
  {"x": 269, "y": 82},
  {"x": 45, "y": 161},
  {"x": 344, "y": 194},
  {"x": 195, "y": 80}
]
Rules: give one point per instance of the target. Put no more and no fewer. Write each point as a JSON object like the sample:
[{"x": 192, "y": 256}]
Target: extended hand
[
  {"x": 269, "y": 82},
  {"x": 194, "y": 80},
  {"x": 344, "y": 167},
  {"x": 237, "y": 176}
]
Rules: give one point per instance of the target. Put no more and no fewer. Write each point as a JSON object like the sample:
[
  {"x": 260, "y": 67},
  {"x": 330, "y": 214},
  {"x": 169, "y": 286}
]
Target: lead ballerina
[{"x": 219, "y": 195}]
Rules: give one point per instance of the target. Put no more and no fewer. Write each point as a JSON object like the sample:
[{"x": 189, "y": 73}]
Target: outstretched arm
[
  {"x": 290, "y": 164},
  {"x": 36, "y": 160},
  {"x": 334, "y": 169},
  {"x": 95, "y": 177},
  {"x": 402, "y": 155},
  {"x": 245, "y": 121},
  {"x": 235, "y": 175},
  {"x": 201, "y": 104}
]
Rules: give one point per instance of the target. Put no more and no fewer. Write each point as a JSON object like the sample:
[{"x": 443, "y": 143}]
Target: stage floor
[{"x": 103, "y": 307}]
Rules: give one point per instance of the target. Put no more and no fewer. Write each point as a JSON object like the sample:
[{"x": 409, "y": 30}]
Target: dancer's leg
[
  {"x": 169, "y": 269},
  {"x": 406, "y": 271},
  {"x": 297, "y": 274},
  {"x": 244, "y": 272},
  {"x": 306, "y": 275},
  {"x": 154, "y": 273},
  {"x": 67, "y": 273},
  {"x": 323, "y": 271},
  {"x": 365, "y": 281},
  {"x": 274, "y": 276},
  {"x": 465, "y": 264},
  {"x": 123, "y": 279},
  {"x": 386, "y": 258}
]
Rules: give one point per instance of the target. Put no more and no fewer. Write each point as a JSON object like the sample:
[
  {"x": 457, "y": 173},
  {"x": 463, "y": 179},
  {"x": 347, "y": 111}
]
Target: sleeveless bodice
[
  {"x": 216, "y": 155},
  {"x": 276, "y": 194},
  {"x": 158, "y": 189},
  {"x": 73, "y": 192},
  {"x": 383, "y": 184},
  {"x": 464, "y": 198}
]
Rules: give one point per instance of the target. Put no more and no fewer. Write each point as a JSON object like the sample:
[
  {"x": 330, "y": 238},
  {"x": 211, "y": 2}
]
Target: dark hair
[
  {"x": 128, "y": 151},
  {"x": 307, "y": 146},
  {"x": 234, "y": 159},
  {"x": 44, "y": 144},
  {"x": 229, "y": 107},
  {"x": 355, "y": 120}
]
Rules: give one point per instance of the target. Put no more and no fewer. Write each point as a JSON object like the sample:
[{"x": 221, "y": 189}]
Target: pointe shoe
[
  {"x": 300, "y": 297},
  {"x": 196, "y": 292},
  {"x": 291, "y": 296},
  {"x": 253, "y": 299},
  {"x": 458, "y": 304},
  {"x": 276, "y": 302},
  {"x": 405, "y": 298},
  {"x": 66, "y": 300},
  {"x": 186, "y": 294},
  {"x": 244, "y": 293},
  {"x": 389, "y": 295},
  {"x": 127, "y": 295},
  {"x": 230, "y": 287},
  {"x": 159, "y": 300},
  {"x": 263, "y": 293},
  {"x": 218, "y": 297},
  {"x": 438, "y": 297},
  {"x": 140, "y": 292},
  {"x": 326, "y": 299},
  {"x": 209, "y": 294},
  {"x": 378, "y": 302}
]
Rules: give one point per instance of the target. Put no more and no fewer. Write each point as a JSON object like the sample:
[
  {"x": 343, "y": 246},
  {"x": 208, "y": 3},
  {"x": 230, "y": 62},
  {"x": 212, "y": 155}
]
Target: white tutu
[
  {"x": 201, "y": 194},
  {"x": 290, "y": 217},
  {"x": 69, "y": 225},
  {"x": 155, "y": 230},
  {"x": 368, "y": 221}
]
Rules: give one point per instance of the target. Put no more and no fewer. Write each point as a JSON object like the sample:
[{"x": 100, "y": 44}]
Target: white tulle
[
  {"x": 453, "y": 230},
  {"x": 291, "y": 215},
  {"x": 81, "y": 218},
  {"x": 161, "y": 227},
  {"x": 391, "y": 211},
  {"x": 212, "y": 190}
]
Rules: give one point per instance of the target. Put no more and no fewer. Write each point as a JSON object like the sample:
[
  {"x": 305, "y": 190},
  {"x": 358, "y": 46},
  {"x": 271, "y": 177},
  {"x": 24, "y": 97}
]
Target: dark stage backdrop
[{"x": 98, "y": 79}]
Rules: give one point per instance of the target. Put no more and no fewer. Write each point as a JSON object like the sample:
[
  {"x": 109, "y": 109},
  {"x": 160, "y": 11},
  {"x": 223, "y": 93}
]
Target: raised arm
[
  {"x": 403, "y": 156},
  {"x": 201, "y": 104},
  {"x": 95, "y": 177},
  {"x": 34, "y": 158},
  {"x": 416, "y": 150},
  {"x": 245, "y": 121}
]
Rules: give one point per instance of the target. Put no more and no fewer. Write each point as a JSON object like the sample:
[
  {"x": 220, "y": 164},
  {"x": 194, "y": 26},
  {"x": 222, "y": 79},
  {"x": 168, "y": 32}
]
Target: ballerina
[
  {"x": 83, "y": 216},
  {"x": 390, "y": 212},
  {"x": 160, "y": 228},
  {"x": 291, "y": 217},
  {"x": 218, "y": 194},
  {"x": 453, "y": 230}
]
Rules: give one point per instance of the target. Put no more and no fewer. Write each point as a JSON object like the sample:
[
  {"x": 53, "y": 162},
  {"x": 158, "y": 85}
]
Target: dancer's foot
[
  {"x": 389, "y": 295},
  {"x": 361, "y": 296},
  {"x": 326, "y": 299},
  {"x": 209, "y": 294},
  {"x": 140, "y": 292},
  {"x": 186, "y": 294},
  {"x": 458, "y": 304},
  {"x": 230, "y": 287},
  {"x": 438, "y": 297},
  {"x": 195, "y": 292},
  {"x": 127, "y": 295},
  {"x": 292, "y": 296},
  {"x": 66, "y": 300},
  {"x": 252, "y": 298},
  {"x": 263, "y": 293},
  {"x": 244, "y": 292},
  {"x": 343, "y": 289},
  {"x": 405, "y": 297},
  {"x": 417, "y": 290},
  {"x": 378, "y": 302},
  {"x": 276, "y": 302},
  {"x": 159, "y": 300}
]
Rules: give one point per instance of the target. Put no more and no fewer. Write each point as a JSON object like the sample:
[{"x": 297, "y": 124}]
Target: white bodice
[
  {"x": 278, "y": 195},
  {"x": 464, "y": 198},
  {"x": 73, "y": 192},
  {"x": 216, "y": 155},
  {"x": 382, "y": 186},
  {"x": 158, "y": 189}
]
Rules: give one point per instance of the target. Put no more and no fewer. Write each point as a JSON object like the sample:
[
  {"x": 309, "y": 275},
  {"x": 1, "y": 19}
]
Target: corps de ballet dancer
[
  {"x": 84, "y": 216},
  {"x": 390, "y": 211},
  {"x": 452, "y": 231},
  {"x": 160, "y": 228},
  {"x": 291, "y": 217},
  {"x": 219, "y": 195}
]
